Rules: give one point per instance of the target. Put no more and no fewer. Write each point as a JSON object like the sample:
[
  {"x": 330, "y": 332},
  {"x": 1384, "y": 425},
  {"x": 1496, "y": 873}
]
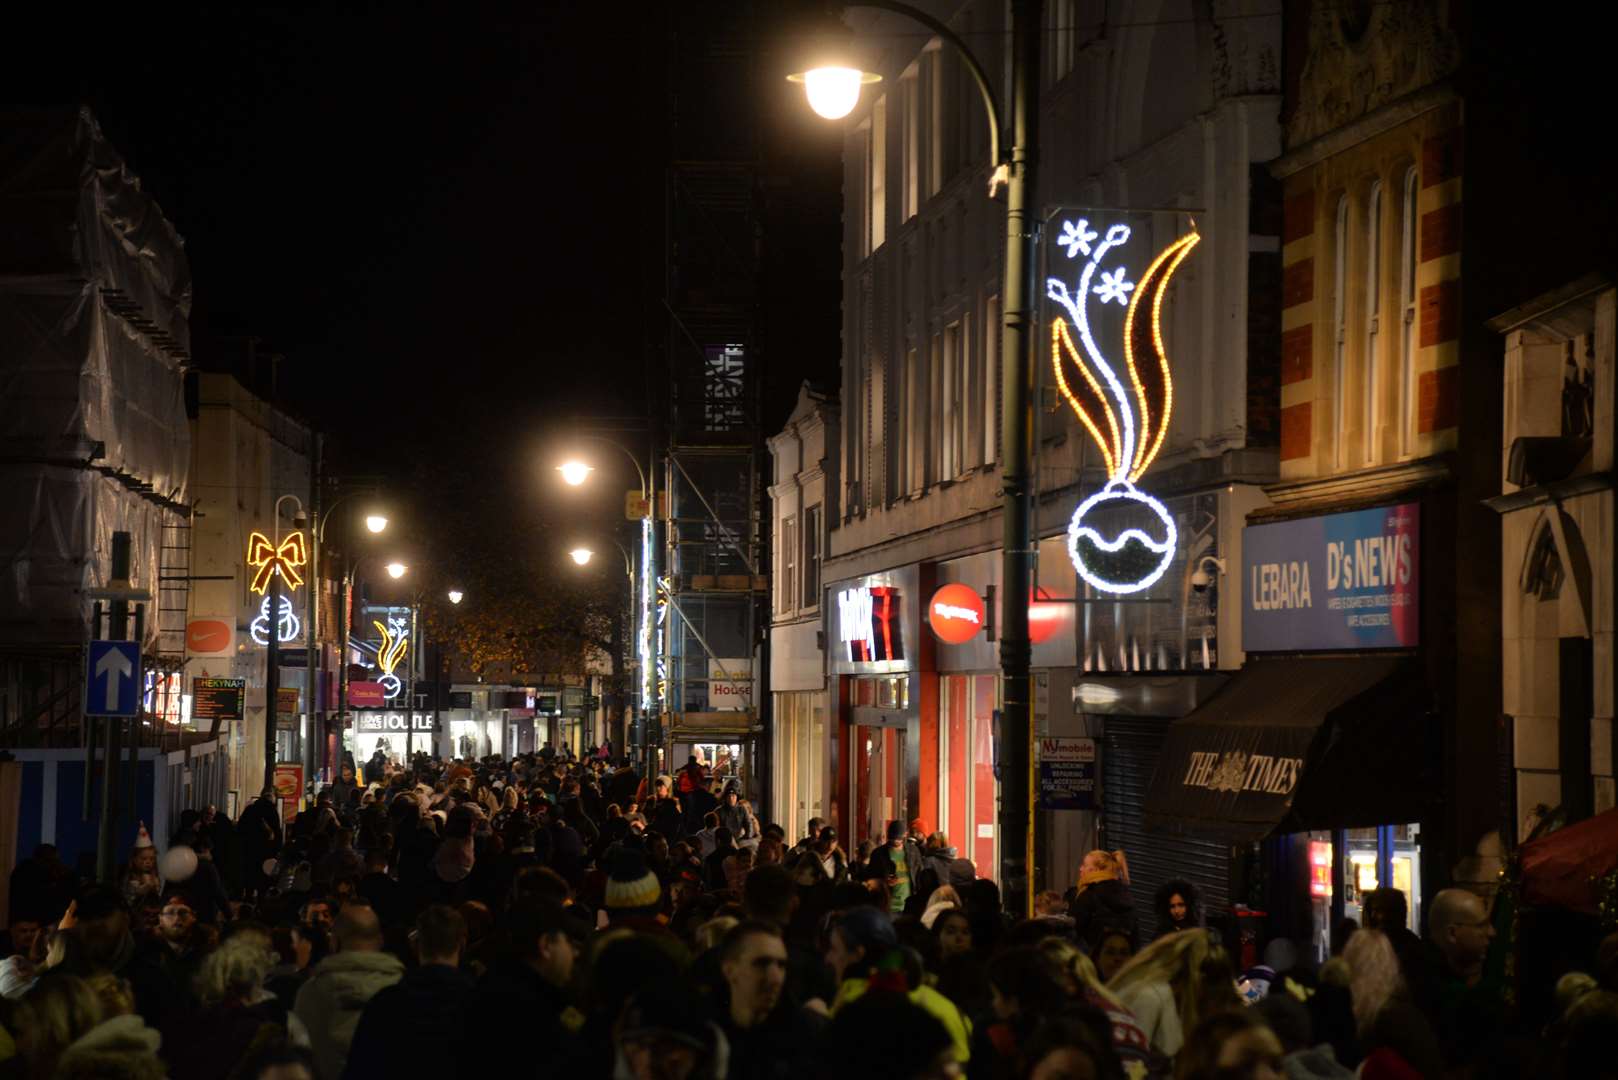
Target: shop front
[
  {"x": 394, "y": 731},
  {"x": 1318, "y": 763}
]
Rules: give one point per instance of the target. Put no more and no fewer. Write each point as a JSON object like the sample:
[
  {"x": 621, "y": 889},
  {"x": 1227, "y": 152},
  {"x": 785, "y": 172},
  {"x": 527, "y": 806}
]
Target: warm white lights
[
  {"x": 456, "y": 596},
  {"x": 376, "y": 522},
  {"x": 581, "y": 555},
  {"x": 834, "y": 91},
  {"x": 396, "y": 570},
  {"x": 1128, "y": 429},
  {"x": 575, "y": 472}
]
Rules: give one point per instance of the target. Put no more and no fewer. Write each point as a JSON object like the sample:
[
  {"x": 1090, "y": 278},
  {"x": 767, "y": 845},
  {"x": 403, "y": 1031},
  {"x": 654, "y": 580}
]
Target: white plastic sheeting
[{"x": 95, "y": 291}]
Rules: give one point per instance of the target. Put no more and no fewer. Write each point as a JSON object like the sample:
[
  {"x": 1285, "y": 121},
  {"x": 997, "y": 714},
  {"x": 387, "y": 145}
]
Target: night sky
[{"x": 449, "y": 221}]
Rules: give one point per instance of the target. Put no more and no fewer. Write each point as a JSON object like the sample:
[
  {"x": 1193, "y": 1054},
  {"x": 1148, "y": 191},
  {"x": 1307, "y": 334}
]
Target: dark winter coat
[
  {"x": 429, "y": 1004},
  {"x": 1104, "y": 906}
]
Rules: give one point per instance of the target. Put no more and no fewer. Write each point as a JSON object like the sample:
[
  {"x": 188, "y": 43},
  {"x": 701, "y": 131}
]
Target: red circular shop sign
[{"x": 955, "y": 613}]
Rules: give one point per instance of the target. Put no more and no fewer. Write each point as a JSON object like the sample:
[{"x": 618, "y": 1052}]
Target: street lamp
[
  {"x": 1016, "y": 174},
  {"x": 581, "y": 555},
  {"x": 376, "y": 522},
  {"x": 834, "y": 91},
  {"x": 456, "y": 596},
  {"x": 575, "y": 472},
  {"x": 396, "y": 570}
]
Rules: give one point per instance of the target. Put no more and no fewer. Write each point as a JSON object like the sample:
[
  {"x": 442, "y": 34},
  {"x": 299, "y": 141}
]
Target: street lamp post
[
  {"x": 272, "y": 662},
  {"x": 581, "y": 556},
  {"x": 575, "y": 473},
  {"x": 1015, "y": 171},
  {"x": 374, "y": 523}
]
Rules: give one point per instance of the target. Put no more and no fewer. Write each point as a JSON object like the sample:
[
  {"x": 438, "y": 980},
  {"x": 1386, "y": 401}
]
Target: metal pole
[
  {"x": 411, "y": 655},
  {"x": 272, "y": 675},
  {"x": 314, "y": 705},
  {"x": 117, "y": 630},
  {"x": 342, "y": 659},
  {"x": 1017, "y": 395}
]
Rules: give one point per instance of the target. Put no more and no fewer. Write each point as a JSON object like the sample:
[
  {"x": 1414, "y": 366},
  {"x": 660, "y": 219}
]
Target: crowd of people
[{"x": 576, "y": 919}]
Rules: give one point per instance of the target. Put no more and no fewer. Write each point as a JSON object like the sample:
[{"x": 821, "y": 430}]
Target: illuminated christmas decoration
[
  {"x": 1128, "y": 428},
  {"x": 395, "y": 643},
  {"x": 645, "y": 637},
  {"x": 287, "y": 626},
  {"x": 269, "y": 560}
]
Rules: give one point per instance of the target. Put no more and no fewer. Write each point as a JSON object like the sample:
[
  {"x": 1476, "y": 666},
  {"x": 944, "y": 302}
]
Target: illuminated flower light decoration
[
  {"x": 1127, "y": 427},
  {"x": 395, "y": 641}
]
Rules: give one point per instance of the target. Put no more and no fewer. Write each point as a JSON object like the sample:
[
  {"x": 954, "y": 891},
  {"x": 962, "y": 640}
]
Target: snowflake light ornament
[
  {"x": 1114, "y": 287},
  {"x": 1076, "y": 238},
  {"x": 1127, "y": 427}
]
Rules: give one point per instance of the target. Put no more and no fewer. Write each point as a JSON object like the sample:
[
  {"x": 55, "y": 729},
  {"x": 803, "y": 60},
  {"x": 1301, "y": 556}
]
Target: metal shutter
[{"x": 1130, "y": 749}]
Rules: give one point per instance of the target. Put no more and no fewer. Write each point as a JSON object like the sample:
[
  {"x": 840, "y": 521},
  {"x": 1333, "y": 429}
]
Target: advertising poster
[
  {"x": 1341, "y": 581},
  {"x": 288, "y": 788},
  {"x": 1067, "y": 774},
  {"x": 215, "y": 701}
]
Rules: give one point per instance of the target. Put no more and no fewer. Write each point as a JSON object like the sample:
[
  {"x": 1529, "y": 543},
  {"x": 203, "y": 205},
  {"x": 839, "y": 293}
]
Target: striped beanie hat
[{"x": 631, "y": 885}]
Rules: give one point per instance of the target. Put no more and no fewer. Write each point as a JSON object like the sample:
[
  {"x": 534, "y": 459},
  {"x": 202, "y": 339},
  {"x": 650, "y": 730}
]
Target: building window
[
  {"x": 915, "y": 421},
  {"x": 878, "y": 174},
  {"x": 1373, "y": 313},
  {"x": 810, "y": 569},
  {"x": 935, "y": 409},
  {"x": 910, "y": 145},
  {"x": 952, "y": 411},
  {"x": 991, "y": 380},
  {"x": 1340, "y": 329},
  {"x": 1060, "y": 37},
  {"x": 787, "y": 580},
  {"x": 1407, "y": 302}
]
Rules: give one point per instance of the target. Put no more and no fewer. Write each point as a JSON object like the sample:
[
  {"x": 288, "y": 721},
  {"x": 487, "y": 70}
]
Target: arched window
[{"x": 1373, "y": 307}]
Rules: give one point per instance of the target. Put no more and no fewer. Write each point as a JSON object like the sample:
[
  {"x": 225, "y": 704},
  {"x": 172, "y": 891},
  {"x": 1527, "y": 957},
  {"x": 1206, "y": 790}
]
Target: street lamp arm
[
  {"x": 1000, "y": 171},
  {"x": 320, "y": 532},
  {"x": 633, "y": 460}
]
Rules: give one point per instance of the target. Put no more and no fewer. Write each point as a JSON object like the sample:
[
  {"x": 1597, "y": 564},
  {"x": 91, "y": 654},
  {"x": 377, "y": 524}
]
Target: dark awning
[{"x": 1329, "y": 742}]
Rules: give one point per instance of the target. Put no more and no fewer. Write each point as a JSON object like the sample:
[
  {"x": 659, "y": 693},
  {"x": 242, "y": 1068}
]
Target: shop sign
[
  {"x": 1067, "y": 774},
  {"x": 366, "y": 694},
  {"x": 868, "y": 623},
  {"x": 383, "y": 722},
  {"x": 1238, "y": 771},
  {"x": 210, "y": 637},
  {"x": 1341, "y": 581},
  {"x": 286, "y": 707},
  {"x": 217, "y": 700},
  {"x": 955, "y": 613},
  {"x": 730, "y": 685},
  {"x": 1108, "y": 279}
]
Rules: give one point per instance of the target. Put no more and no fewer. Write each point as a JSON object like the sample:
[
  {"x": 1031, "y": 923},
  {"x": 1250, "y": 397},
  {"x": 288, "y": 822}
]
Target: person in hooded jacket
[
  {"x": 1103, "y": 901},
  {"x": 342, "y": 985},
  {"x": 1177, "y": 907}
]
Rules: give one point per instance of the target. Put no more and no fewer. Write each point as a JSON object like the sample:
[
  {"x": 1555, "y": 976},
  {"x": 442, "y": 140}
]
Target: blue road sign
[{"x": 112, "y": 679}]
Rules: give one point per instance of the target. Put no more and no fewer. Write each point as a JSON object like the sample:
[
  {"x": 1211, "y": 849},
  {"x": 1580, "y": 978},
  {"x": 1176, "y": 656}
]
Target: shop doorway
[
  {"x": 1348, "y": 863},
  {"x": 969, "y": 795}
]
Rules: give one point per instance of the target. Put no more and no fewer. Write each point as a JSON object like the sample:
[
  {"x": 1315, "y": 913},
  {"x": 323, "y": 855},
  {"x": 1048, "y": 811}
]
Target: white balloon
[{"x": 177, "y": 864}]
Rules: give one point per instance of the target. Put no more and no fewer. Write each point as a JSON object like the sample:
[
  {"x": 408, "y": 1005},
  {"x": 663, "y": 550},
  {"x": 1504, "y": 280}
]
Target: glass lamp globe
[{"x": 834, "y": 91}]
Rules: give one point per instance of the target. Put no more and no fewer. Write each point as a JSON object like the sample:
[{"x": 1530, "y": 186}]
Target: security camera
[{"x": 1200, "y": 578}]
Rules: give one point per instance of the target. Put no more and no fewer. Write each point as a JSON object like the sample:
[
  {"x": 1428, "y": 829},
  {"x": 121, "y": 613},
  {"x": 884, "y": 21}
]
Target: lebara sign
[{"x": 1342, "y": 581}]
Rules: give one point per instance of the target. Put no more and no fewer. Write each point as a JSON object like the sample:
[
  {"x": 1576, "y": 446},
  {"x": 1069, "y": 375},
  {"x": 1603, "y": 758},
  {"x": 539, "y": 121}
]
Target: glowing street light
[
  {"x": 575, "y": 472},
  {"x": 833, "y": 91},
  {"x": 456, "y": 596},
  {"x": 581, "y": 555},
  {"x": 396, "y": 570},
  {"x": 376, "y": 522}
]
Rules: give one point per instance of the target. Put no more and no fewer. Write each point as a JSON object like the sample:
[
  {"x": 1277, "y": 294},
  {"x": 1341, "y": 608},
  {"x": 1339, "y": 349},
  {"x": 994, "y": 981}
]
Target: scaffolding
[{"x": 713, "y": 586}]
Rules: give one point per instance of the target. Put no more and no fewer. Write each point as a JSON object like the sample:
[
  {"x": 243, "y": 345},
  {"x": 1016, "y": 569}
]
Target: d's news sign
[{"x": 1342, "y": 581}]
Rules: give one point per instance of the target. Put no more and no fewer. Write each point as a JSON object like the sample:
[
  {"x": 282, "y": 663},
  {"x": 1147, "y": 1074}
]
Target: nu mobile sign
[{"x": 1342, "y": 581}]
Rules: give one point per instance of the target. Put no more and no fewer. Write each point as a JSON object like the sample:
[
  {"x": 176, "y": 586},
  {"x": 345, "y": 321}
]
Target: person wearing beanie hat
[
  {"x": 632, "y": 888},
  {"x": 863, "y": 952}
]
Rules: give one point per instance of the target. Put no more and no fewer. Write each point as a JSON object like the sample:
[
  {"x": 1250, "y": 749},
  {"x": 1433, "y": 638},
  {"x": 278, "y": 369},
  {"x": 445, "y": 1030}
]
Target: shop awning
[{"x": 1300, "y": 743}]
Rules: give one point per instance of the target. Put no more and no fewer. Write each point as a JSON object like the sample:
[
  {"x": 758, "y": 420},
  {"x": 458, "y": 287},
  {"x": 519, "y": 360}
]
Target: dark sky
[{"x": 447, "y": 220}]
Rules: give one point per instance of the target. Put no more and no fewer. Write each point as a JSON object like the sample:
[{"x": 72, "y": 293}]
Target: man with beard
[{"x": 770, "y": 1035}]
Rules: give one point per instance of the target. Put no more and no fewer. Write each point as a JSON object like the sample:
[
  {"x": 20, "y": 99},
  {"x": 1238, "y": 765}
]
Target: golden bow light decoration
[
  {"x": 269, "y": 560},
  {"x": 1128, "y": 427}
]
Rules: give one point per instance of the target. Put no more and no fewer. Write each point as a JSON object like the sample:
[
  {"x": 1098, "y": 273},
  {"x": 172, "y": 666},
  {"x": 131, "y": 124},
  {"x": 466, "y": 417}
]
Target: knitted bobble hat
[{"x": 630, "y": 884}]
